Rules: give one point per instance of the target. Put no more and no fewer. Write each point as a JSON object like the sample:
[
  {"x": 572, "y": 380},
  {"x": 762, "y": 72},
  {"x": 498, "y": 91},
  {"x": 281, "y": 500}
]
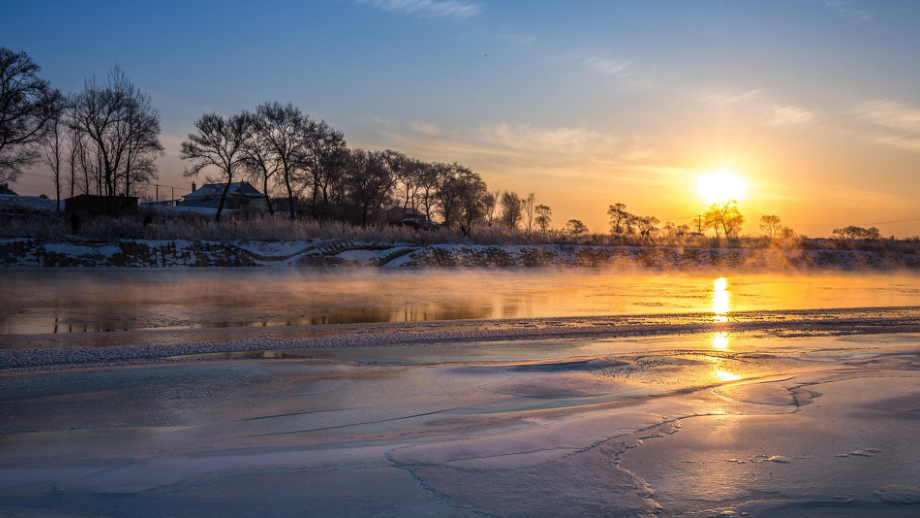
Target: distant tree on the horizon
[
  {"x": 770, "y": 225},
  {"x": 490, "y": 203},
  {"x": 647, "y": 225},
  {"x": 27, "y": 104},
  {"x": 219, "y": 142},
  {"x": 327, "y": 158},
  {"x": 512, "y": 209},
  {"x": 854, "y": 232},
  {"x": 576, "y": 228},
  {"x": 544, "y": 217},
  {"x": 725, "y": 217},
  {"x": 528, "y": 206},
  {"x": 670, "y": 230},
  {"x": 368, "y": 181},
  {"x": 620, "y": 221}
]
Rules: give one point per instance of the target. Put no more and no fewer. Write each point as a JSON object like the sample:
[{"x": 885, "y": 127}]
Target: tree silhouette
[
  {"x": 544, "y": 217},
  {"x": 620, "y": 220},
  {"x": 219, "y": 142},
  {"x": 27, "y": 105},
  {"x": 576, "y": 228}
]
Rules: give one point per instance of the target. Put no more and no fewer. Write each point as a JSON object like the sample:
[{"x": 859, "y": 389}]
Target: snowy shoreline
[{"x": 138, "y": 253}]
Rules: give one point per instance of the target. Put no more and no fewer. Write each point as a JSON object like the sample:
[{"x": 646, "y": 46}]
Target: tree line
[
  {"x": 280, "y": 148},
  {"x": 101, "y": 140},
  {"x": 104, "y": 140}
]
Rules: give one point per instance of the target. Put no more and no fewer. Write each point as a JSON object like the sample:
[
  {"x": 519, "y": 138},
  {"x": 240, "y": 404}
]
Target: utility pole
[{"x": 158, "y": 192}]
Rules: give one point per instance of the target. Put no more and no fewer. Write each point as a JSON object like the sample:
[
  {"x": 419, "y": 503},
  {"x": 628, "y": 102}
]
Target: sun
[{"x": 721, "y": 186}]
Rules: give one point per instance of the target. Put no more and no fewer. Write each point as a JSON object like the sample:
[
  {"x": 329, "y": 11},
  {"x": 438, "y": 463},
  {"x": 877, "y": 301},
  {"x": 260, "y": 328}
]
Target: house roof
[
  {"x": 215, "y": 190},
  {"x": 5, "y": 189}
]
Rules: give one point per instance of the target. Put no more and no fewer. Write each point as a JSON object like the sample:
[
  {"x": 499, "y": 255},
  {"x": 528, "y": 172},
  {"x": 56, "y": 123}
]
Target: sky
[{"x": 815, "y": 104}]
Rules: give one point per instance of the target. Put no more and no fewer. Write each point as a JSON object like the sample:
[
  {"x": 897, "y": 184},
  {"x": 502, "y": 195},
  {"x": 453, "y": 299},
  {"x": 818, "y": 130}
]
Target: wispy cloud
[
  {"x": 425, "y": 127},
  {"x": 848, "y": 8},
  {"x": 521, "y": 148},
  {"x": 606, "y": 65},
  {"x": 895, "y": 115},
  {"x": 430, "y": 8},
  {"x": 516, "y": 37},
  {"x": 789, "y": 115},
  {"x": 727, "y": 96},
  {"x": 525, "y": 137},
  {"x": 897, "y": 123}
]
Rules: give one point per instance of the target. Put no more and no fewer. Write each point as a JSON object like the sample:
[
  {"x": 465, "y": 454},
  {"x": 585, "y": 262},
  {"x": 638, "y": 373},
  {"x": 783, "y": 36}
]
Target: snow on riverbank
[{"x": 30, "y": 253}]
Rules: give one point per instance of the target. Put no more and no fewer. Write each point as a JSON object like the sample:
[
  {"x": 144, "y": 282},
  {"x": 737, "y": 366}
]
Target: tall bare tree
[
  {"x": 544, "y": 217},
  {"x": 118, "y": 119},
  {"x": 620, "y": 220},
  {"x": 326, "y": 162},
  {"x": 490, "y": 202},
  {"x": 369, "y": 181},
  {"x": 529, "y": 203},
  {"x": 429, "y": 180},
  {"x": 288, "y": 132},
  {"x": 512, "y": 209},
  {"x": 27, "y": 105},
  {"x": 142, "y": 124},
  {"x": 770, "y": 225},
  {"x": 219, "y": 142},
  {"x": 260, "y": 162},
  {"x": 726, "y": 217},
  {"x": 52, "y": 149}
]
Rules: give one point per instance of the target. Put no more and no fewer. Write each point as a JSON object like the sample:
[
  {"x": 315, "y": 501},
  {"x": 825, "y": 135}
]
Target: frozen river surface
[{"x": 730, "y": 396}]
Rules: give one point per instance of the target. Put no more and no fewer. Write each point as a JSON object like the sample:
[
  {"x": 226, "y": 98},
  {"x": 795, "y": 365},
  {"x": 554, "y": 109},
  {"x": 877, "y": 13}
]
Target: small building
[
  {"x": 241, "y": 195},
  {"x": 397, "y": 214},
  {"x": 94, "y": 205},
  {"x": 5, "y": 190}
]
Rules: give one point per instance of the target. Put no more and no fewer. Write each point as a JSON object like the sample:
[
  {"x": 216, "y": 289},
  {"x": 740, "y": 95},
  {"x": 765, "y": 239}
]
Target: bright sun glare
[{"x": 721, "y": 186}]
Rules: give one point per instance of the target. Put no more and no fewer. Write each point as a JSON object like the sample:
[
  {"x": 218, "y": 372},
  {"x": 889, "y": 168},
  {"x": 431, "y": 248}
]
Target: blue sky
[{"x": 815, "y": 103}]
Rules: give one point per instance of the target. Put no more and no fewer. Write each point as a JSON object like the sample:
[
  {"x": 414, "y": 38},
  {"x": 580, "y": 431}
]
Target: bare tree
[
  {"x": 74, "y": 149},
  {"x": 576, "y": 228},
  {"x": 430, "y": 177},
  {"x": 369, "y": 181},
  {"x": 770, "y": 225},
  {"x": 512, "y": 208},
  {"x": 647, "y": 225},
  {"x": 472, "y": 205},
  {"x": 620, "y": 221},
  {"x": 529, "y": 202},
  {"x": 288, "y": 132},
  {"x": 27, "y": 105},
  {"x": 52, "y": 149},
  {"x": 219, "y": 143},
  {"x": 544, "y": 217},
  {"x": 450, "y": 191},
  {"x": 118, "y": 119},
  {"x": 490, "y": 202},
  {"x": 142, "y": 124},
  {"x": 726, "y": 217},
  {"x": 326, "y": 162},
  {"x": 260, "y": 162}
]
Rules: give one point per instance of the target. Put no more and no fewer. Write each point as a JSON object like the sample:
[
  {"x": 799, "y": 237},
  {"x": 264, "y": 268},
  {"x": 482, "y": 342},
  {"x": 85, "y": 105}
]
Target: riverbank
[{"x": 139, "y": 253}]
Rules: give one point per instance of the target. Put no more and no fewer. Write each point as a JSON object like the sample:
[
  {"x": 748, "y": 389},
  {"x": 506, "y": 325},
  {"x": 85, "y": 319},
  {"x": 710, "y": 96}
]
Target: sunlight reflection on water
[{"x": 720, "y": 299}]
